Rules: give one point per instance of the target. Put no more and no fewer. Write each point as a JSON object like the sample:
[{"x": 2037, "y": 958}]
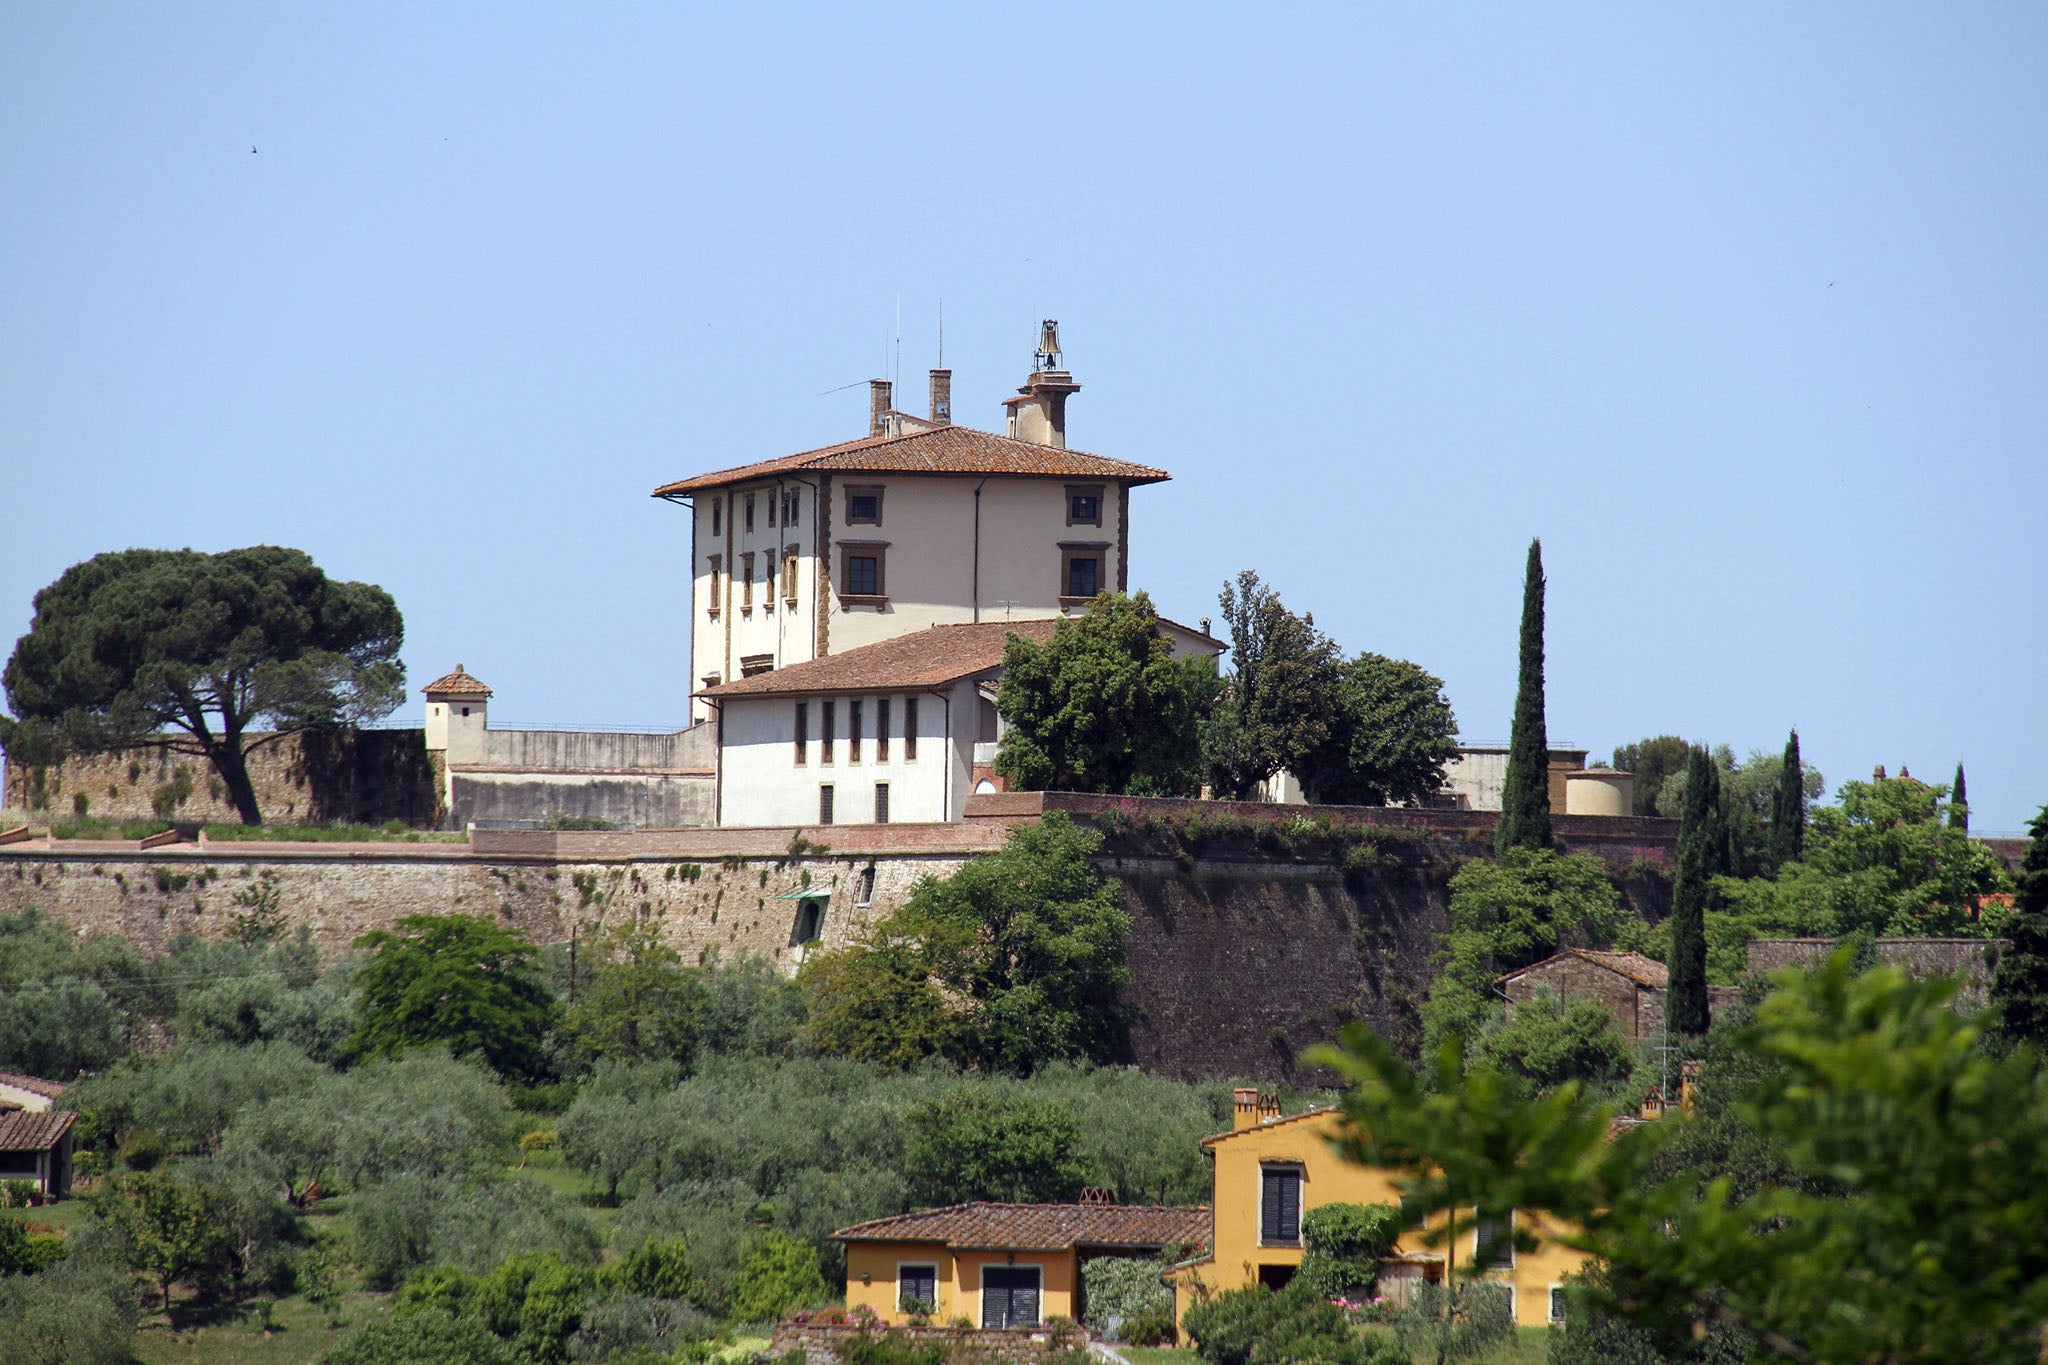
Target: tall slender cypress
[
  {"x": 1959, "y": 802},
  {"x": 2019, "y": 988},
  {"x": 1525, "y": 796},
  {"x": 1685, "y": 1003},
  {"x": 1788, "y": 809}
]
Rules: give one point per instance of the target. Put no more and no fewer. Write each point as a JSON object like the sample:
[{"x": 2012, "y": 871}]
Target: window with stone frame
[
  {"x": 1082, "y": 570},
  {"x": 863, "y": 504},
  {"x": 1084, "y": 504},
  {"x": 863, "y": 570}
]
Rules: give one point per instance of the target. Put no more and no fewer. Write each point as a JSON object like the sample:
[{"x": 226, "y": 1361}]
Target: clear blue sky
[{"x": 1740, "y": 308}]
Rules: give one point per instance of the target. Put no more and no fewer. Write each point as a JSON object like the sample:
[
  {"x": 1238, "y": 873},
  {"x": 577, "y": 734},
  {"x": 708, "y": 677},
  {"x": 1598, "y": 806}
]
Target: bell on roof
[{"x": 1049, "y": 344}]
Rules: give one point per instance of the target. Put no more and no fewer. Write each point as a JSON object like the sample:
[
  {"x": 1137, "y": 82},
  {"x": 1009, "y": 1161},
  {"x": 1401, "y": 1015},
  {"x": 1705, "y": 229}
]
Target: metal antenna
[
  {"x": 897, "y": 377},
  {"x": 942, "y": 334}
]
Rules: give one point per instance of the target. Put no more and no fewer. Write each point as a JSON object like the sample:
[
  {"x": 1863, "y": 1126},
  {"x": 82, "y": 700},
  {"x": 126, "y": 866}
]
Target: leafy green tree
[
  {"x": 1651, "y": 760},
  {"x": 1959, "y": 802},
  {"x": 1509, "y": 913},
  {"x": 1276, "y": 709},
  {"x": 174, "y": 1230},
  {"x": 1906, "y": 1245},
  {"x": 1015, "y": 960},
  {"x": 80, "y": 1311},
  {"x": 1525, "y": 793},
  {"x": 777, "y": 1273},
  {"x": 462, "y": 982},
  {"x": 1788, "y": 807},
  {"x": 1103, "y": 706},
  {"x": 2019, "y": 988},
  {"x": 1391, "y": 735},
  {"x": 132, "y": 644},
  {"x": 1547, "y": 1042},
  {"x": 1699, "y": 841},
  {"x": 641, "y": 1004},
  {"x": 983, "y": 1142}
]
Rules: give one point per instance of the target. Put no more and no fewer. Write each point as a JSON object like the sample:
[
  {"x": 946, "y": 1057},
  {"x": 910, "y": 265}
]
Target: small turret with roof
[{"x": 458, "y": 707}]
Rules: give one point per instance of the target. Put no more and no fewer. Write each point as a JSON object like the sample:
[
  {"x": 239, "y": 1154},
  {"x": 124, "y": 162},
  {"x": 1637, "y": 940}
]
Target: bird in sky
[{"x": 252, "y": 149}]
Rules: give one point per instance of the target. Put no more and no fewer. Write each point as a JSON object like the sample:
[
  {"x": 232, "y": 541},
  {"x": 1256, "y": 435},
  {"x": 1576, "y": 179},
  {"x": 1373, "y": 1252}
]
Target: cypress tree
[
  {"x": 1525, "y": 795},
  {"x": 1959, "y": 802},
  {"x": 2019, "y": 988},
  {"x": 1788, "y": 809},
  {"x": 1685, "y": 1003}
]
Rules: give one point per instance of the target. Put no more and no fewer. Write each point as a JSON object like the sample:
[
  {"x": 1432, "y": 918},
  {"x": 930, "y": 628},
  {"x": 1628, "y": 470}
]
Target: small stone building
[
  {"x": 1630, "y": 985},
  {"x": 36, "y": 1147}
]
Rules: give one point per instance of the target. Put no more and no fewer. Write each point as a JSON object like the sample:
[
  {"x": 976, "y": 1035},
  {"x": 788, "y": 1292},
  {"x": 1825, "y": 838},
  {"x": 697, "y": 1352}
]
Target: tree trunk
[{"x": 233, "y": 766}]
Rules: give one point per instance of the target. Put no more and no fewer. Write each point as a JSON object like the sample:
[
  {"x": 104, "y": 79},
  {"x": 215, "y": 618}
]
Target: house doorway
[
  {"x": 1275, "y": 1277},
  {"x": 1009, "y": 1296}
]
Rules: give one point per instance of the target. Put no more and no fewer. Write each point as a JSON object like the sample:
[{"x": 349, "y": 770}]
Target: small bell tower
[{"x": 1039, "y": 413}]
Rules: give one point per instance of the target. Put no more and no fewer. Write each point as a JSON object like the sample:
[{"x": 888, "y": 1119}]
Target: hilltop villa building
[{"x": 849, "y": 605}]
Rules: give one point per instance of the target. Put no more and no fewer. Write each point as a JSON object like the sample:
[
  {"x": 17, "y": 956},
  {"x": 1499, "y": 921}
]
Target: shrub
[
  {"x": 1256, "y": 1326},
  {"x": 891, "y": 1348},
  {"x": 1344, "y": 1245},
  {"x": 1119, "y": 1289},
  {"x": 422, "y": 1336},
  {"x": 777, "y": 1273}
]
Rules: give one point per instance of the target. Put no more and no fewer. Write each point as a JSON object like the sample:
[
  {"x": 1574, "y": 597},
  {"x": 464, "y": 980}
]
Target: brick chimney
[
  {"x": 1244, "y": 1110},
  {"x": 942, "y": 395},
  {"x": 878, "y": 403},
  {"x": 1039, "y": 414}
]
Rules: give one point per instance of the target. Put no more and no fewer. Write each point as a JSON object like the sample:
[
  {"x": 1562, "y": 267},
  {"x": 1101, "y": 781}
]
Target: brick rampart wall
[
  {"x": 1971, "y": 960},
  {"x": 1018, "y": 1346}
]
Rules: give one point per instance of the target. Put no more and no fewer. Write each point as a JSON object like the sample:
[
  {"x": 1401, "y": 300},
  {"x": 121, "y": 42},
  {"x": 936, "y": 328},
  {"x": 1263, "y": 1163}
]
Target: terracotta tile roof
[
  {"x": 456, "y": 684},
  {"x": 943, "y": 450},
  {"x": 920, "y": 658},
  {"x": 1644, "y": 971},
  {"x": 1039, "y": 1227},
  {"x": 22, "y": 1131},
  {"x": 35, "y": 1085}
]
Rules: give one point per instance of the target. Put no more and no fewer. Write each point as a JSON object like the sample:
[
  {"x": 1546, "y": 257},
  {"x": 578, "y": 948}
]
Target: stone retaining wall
[{"x": 821, "y": 1342}]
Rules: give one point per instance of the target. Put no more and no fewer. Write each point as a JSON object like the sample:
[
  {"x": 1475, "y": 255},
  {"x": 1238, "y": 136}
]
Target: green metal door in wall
[{"x": 1009, "y": 1296}]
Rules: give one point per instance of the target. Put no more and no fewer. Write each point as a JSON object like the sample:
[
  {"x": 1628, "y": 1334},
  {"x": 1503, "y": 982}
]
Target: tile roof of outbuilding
[
  {"x": 942, "y": 450},
  {"x": 35, "y": 1085},
  {"x": 918, "y": 658},
  {"x": 457, "y": 684},
  {"x": 24, "y": 1131},
  {"x": 1040, "y": 1227},
  {"x": 1644, "y": 971}
]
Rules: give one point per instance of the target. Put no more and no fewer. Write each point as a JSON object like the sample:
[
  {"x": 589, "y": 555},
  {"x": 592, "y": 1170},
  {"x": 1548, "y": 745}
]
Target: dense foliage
[
  {"x": 463, "y": 982},
  {"x": 1015, "y": 960},
  {"x": 1103, "y": 706},
  {"x": 1277, "y": 705},
  {"x": 1898, "y": 1240},
  {"x": 2020, "y": 986},
  {"x": 1702, "y": 850},
  {"x": 1391, "y": 733},
  {"x": 132, "y": 644},
  {"x": 1651, "y": 760}
]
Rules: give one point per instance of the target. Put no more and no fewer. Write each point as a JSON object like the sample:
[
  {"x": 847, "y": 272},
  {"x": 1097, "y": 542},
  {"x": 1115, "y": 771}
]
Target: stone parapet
[{"x": 822, "y": 1343}]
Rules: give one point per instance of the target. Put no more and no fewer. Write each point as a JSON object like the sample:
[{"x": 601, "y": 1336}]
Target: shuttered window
[
  {"x": 803, "y": 732},
  {"x": 825, "y": 804},
  {"x": 1493, "y": 1241},
  {"x": 1009, "y": 1296},
  {"x": 881, "y": 730},
  {"x": 1280, "y": 1205},
  {"x": 917, "y": 1289},
  {"x": 881, "y": 803},
  {"x": 910, "y": 729}
]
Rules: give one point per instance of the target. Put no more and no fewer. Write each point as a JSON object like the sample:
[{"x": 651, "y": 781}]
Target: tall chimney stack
[
  {"x": 878, "y": 403},
  {"x": 942, "y": 395}
]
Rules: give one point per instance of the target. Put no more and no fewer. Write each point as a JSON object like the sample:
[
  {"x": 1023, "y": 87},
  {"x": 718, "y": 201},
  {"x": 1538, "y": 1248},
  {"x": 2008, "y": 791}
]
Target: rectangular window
[
  {"x": 881, "y": 729},
  {"x": 917, "y": 1289},
  {"x": 910, "y": 729},
  {"x": 1493, "y": 1241},
  {"x": 718, "y": 515},
  {"x": 828, "y": 721},
  {"x": 1084, "y": 504},
  {"x": 1009, "y": 1296},
  {"x": 864, "y": 890},
  {"x": 772, "y": 500},
  {"x": 863, "y": 576},
  {"x": 863, "y": 504},
  {"x": 747, "y": 582},
  {"x": 881, "y": 803},
  {"x": 803, "y": 731},
  {"x": 1560, "y": 1303},
  {"x": 853, "y": 736},
  {"x": 796, "y": 503},
  {"x": 789, "y": 577},
  {"x": 1280, "y": 1205},
  {"x": 717, "y": 583},
  {"x": 750, "y": 513},
  {"x": 1082, "y": 571},
  {"x": 825, "y": 804}
]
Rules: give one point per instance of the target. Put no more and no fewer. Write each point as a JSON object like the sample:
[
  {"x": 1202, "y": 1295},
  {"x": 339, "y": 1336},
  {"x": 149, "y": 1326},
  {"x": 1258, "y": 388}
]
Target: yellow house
[
  {"x": 1269, "y": 1170},
  {"x": 1000, "y": 1265}
]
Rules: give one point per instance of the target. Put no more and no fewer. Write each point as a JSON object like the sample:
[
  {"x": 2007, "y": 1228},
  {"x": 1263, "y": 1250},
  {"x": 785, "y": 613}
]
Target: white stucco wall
[
  {"x": 762, "y": 784},
  {"x": 928, "y": 571}
]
